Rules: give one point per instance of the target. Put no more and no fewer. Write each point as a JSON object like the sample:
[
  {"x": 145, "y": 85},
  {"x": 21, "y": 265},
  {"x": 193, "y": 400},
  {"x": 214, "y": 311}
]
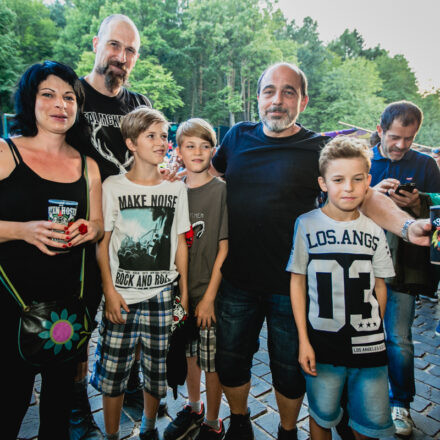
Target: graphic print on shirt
[
  {"x": 144, "y": 251},
  {"x": 342, "y": 261},
  {"x": 341, "y": 300},
  {"x": 96, "y": 122},
  {"x": 197, "y": 223}
]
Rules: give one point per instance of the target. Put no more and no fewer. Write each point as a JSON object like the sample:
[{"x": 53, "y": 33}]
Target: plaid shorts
[
  {"x": 149, "y": 323},
  {"x": 204, "y": 348}
]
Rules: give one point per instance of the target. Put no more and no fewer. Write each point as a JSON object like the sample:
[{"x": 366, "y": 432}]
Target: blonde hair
[
  {"x": 344, "y": 147},
  {"x": 196, "y": 127},
  {"x": 139, "y": 120}
]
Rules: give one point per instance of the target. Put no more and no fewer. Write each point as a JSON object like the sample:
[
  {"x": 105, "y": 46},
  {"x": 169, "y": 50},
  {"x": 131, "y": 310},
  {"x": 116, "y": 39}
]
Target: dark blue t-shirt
[
  {"x": 415, "y": 167},
  {"x": 270, "y": 182}
]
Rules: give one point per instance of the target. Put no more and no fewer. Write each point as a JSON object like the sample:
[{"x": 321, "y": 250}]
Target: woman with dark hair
[{"x": 39, "y": 170}]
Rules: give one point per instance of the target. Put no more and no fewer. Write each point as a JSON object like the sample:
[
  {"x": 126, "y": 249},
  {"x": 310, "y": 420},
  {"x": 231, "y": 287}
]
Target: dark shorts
[{"x": 240, "y": 316}]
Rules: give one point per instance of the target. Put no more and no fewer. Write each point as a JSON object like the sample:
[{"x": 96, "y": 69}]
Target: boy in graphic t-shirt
[
  {"x": 338, "y": 263},
  {"x": 143, "y": 251},
  {"x": 196, "y": 141}
]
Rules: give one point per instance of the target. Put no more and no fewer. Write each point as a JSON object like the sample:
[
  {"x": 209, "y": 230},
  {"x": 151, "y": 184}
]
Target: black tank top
[{"x": 24, "y": 196}]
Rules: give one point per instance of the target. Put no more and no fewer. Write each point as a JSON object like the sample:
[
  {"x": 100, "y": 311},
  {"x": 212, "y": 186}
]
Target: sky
[{"x": 407, "y": 27}]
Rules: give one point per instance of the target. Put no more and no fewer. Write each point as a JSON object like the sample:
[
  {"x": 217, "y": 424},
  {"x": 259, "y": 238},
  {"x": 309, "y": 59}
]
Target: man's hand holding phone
[{"x": 406, "y": 196}]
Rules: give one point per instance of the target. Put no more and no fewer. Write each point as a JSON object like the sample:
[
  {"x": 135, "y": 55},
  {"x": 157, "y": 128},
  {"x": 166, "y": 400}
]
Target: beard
[
  {"x": 277, "y": 125},
  {"x": 113, "y": 80}
]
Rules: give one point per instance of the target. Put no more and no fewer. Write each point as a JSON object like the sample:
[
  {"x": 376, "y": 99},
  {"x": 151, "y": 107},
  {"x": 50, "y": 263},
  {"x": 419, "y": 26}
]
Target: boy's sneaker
[
  {"x": 287, "y": 435},
  {"x": 240, "y": 428},
  {"x": 149, "y": 435},
  {"x": 402, "y": 421},
  {"x": 185, "y": 421},
  {"x": 209, "y": 433}
]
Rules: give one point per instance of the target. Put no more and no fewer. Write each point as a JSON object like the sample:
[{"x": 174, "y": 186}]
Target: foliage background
[{"x": 203, "y": 58}]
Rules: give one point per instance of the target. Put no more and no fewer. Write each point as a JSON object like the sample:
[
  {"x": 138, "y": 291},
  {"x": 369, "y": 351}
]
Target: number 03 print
[{"x": 338, "y": 296}]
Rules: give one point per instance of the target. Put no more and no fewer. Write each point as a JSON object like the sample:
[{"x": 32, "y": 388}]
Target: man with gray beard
[{"x": 271, "y": 173}]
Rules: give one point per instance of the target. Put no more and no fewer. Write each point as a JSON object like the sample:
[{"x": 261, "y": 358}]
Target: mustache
[
  {"x": 117, "y": 64},
  {"x": 276, "y": 108},
  {"x": 104, "y": 69}
]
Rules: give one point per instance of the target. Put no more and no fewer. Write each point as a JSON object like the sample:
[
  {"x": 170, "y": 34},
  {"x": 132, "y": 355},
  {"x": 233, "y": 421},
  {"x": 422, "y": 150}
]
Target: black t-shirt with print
[
  {"x": 270, "y": 182},
  {"x": 103, "y": 114}
]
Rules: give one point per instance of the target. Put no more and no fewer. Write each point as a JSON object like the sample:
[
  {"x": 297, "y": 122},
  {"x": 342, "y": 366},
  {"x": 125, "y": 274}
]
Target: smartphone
[{"x": 409, "y": 186}]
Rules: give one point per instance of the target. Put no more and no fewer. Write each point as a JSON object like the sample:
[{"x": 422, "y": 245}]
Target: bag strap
[
  {"x": 86, "y": 176},
  {"x": 7, "y": 282}
]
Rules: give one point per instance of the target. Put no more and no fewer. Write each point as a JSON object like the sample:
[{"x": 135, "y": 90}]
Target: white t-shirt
[
  {"x": 145, "y": 222},
  {"x": 341, "y": 261}
]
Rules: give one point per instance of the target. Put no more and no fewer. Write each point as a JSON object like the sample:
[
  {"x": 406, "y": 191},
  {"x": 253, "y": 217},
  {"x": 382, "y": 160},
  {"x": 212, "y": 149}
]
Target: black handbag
[{"x": 55, "y": 331}]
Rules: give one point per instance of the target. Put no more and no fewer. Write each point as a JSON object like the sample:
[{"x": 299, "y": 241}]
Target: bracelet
[{"x": 405, "y": 229}]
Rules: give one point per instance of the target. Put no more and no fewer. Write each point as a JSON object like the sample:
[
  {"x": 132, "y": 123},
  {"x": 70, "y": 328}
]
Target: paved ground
[{"x": 425, "y": 409}]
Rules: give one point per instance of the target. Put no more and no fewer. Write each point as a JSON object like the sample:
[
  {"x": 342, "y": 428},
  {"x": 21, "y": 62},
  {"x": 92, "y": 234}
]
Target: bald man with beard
[{"x": 116, "y": 49}]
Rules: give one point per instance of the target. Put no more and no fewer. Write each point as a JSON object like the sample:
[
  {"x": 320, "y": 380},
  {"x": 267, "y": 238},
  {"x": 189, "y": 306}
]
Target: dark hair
[
  {"x": 406, "y": 112},
  {"x": 296, "y": 69},
  {"x": 374, "y": 139},
  {"x": 24, "y": 121}
]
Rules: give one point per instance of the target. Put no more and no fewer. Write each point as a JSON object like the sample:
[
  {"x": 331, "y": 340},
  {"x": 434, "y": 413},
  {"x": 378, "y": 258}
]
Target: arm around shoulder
[
  {"x": 384, "y": 212},
  {"x": 387, "y": 215}
]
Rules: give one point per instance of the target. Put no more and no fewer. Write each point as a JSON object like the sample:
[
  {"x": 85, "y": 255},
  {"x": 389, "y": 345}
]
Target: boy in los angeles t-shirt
[{"x": 338, "y": 262}]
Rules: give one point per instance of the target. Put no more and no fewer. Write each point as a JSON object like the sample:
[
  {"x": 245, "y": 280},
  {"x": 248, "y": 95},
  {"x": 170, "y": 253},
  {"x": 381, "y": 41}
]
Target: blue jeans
[
  {"x": 399, "y": 317},
  {"x": 240, "y": 316}
]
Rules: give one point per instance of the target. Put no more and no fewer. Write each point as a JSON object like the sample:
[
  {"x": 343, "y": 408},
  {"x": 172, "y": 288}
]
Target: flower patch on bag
[{"x": 61, "y": 331}]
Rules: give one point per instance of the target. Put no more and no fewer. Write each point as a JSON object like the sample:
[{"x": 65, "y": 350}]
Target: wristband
[{"x": 405, "y": 229}]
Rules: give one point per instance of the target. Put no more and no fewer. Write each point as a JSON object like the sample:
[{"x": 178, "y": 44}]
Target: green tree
[
  {"x": 76, "y": 36},
  {"x": 429, "y": 133},
  {"x": 34, "y": 30},
  {"x": 349, "y": 94},
  {"x": 316, "y": 60},
  {"x": 226, "y": 45},
  {"x": 10, "y": 64},
  {"x": 399, "y": 81},
  {"x": 154, "y": 81},
  {"x": 58, "y": 10},
  {"x": 348, "y": 44}
]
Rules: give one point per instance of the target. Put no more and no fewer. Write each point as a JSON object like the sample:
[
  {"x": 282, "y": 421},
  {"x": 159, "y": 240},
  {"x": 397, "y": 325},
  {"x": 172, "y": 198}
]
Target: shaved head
[{"x": 105, "y": 24}]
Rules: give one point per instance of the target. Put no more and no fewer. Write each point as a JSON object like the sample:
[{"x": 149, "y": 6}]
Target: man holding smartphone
[{"x": 401, "y": 173}]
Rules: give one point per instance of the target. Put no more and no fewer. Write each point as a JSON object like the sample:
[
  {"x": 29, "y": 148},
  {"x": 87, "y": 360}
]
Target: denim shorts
[
  {"x": 368, "y": 402},
  {"x": 240, "y": 316}
]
